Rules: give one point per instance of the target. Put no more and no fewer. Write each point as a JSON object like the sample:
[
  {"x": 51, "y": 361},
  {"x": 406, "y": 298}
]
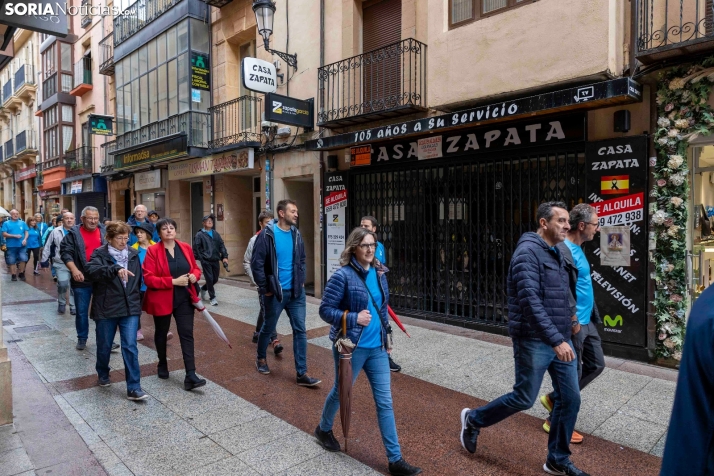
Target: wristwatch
[{"x": 574, "y": 323}]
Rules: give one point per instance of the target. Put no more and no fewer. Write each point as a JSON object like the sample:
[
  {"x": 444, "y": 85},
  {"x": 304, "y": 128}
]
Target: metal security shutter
[
  {"x": 381, "y": 34},
  {"x": 97, "y": 200}
]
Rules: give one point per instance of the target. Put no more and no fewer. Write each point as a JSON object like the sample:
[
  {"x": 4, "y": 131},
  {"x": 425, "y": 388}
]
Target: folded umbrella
[
  {"x": 344, "y": 377},
  {"x": 198, "y": 304},
  {"x": 396, "y": 320}
]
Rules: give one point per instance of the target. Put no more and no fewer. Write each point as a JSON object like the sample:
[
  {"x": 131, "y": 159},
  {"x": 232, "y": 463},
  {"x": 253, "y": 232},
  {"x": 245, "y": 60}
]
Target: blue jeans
[
  {"x": 82, "y": 297},
  {"x": 106, "y": 330},
  {"x": 295, "y": 309},
  {"x": 375, "y": 364},
  {"x": 533, "y": 358}
]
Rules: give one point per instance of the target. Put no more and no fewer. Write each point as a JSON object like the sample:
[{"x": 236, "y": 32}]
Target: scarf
[{"x": 121, "y": 257}]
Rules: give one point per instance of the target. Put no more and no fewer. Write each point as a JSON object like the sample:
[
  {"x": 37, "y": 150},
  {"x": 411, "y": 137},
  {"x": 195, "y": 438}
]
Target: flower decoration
[
  {"x": 673, "y": 133},
  {"x": 677, "y": 179},
  {"x": 676, "y": 201},
  {"x": 675, "y": 161}
]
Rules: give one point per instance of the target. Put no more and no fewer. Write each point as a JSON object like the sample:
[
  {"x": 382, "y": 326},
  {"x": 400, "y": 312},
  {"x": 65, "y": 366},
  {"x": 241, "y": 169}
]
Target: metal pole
[{"x": 5, "y": 378}]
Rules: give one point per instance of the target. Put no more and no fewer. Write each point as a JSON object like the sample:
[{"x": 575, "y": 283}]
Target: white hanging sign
[{"x": 258, "y": 75}]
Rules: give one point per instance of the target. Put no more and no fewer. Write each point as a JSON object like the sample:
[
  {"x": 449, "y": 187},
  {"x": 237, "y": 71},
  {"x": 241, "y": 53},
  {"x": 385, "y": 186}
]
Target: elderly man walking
[
  {"x": 141, "y": 215},
  {"x": 52, "y": 251},
  {"x": 540, "y": 323},
  {"x": 15, "y": 232}
]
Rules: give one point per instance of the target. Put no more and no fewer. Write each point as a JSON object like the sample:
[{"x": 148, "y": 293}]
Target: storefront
[
  {"x": 24, "y": 187},
  {"x": 78, "y": 193},
  {"x": 699, "y": 234},
  {"x": 150, "y": 188}
]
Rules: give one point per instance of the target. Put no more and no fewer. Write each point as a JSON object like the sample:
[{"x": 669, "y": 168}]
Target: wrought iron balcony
[
  {"x": 52, "y": 164},
  {"x": 106, "y": 55},
  {"x": 25, "y": 143},
  {"x": 79, "y": 161},
  {"x": 236, "y": 123},
  {"x": 86, "y": 18},
  {"x": 108, "y": 149},
  {"x": 194, "y": 124},
  {"x": 82, "y": 76},
  {"x": 673, "y": 28},
  {"x": 137, "y": 16},
  {"x": 217, "y": 3},
  {"x": 386, "y": 82},
  {"x": 9, "y": 149}
]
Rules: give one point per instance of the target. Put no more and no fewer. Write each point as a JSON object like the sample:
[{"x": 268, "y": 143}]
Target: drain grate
[
  {"x": 7, "y": 322},
  {"x": 27, "y": 329},
  {"x": 14, "y": 340}
]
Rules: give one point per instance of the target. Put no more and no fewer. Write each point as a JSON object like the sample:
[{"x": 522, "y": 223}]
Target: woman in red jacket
[{"x": 169, "y": 268}]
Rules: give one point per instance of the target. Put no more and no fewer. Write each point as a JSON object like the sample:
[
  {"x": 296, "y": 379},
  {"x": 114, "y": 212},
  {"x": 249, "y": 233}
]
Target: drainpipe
[{"x": 323, "y": 251}]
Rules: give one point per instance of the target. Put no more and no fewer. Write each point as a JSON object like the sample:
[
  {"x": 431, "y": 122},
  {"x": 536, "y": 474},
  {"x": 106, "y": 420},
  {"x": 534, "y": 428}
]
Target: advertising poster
[
  {"x": 335, "y": 219},
  {"x": 617, "y": 188}
]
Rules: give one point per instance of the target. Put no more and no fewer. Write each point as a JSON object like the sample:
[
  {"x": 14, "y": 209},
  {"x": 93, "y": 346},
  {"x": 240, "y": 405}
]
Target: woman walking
[
  {"x": 115, "y": 272},
  {"x": 169, "y": 268},
  {"x": 34, "y": 243},
  {"x": 360, "y": 288}
]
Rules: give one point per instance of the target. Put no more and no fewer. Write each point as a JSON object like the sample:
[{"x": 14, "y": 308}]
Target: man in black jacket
[
  {"x": 539, "y": 322},
  {"x": 278, "y": 266},
  {"x": 209, "y": 249},
  {"x": 75, "y": 250}
]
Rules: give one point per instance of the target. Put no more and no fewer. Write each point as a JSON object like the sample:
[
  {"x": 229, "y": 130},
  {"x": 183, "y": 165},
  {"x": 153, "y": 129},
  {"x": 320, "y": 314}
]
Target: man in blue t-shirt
[
  {"x": 370, "y": 223},
  {"x": 584, "y": 224},
  {"x": 15, "y": 232}
]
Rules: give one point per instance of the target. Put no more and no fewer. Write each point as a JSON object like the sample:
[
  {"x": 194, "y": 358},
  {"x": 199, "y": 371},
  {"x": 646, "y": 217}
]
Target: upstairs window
[{"x": 462, "y": 12}]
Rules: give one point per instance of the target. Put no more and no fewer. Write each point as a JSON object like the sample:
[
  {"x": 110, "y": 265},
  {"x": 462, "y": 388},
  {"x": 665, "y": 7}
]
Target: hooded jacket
[
  {"x": 264, "y": 262},
  {"x": 110, "y": 299},
  {"x": 346, "y": 291},
  {"x": 207, "y": 248},
  {"x": 539, "y": 304},
  {"x": 72, "y": 249},
  {"x": 52, "y": 246}
]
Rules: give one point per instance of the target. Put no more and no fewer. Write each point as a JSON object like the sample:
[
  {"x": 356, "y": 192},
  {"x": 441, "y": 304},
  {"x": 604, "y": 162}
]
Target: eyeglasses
[
  {"x": 596, "y": 224},
  {"x": 366, "y": 246}
]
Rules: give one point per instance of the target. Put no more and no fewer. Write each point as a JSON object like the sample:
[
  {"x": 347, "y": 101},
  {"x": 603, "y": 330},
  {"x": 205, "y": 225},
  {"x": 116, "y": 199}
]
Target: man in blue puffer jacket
[{"x": 540, "y": 322}]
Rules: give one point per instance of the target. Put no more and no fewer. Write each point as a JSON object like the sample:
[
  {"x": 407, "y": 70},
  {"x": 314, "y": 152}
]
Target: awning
[{"x": 603, "y": 94}]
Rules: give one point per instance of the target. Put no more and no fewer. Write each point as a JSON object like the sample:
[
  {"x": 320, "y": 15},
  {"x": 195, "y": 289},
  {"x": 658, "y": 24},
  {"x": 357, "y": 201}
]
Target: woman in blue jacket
[
  {"x": 360, "y": 288},
  {"x": 34, "y": 243}
]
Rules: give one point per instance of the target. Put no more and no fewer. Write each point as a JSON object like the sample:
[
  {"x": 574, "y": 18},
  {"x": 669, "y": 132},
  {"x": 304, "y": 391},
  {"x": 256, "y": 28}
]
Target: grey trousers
[
  {"x": 588, "y": 347},
  {"x": 63, "y": 278}
]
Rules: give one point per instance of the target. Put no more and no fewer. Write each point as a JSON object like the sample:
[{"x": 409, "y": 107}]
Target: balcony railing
[
  {"x": 79, "y": 161},
  {"x": 52, "y": 164},
  {"x": 25, "y": 142},
  {"x": 106, "y": 55},
  {"x": 2, "y": 157},
  {"x": 82, "y": 76},
  {"x": 87, "y": 18},
  {"x": 137, "y": 16},
  {"x": 194, "y": 124},
  {"x": 108, "y": 149},
  {"x": 217, "y": 3},
  {"x": 386, "y": 82},
  {"x": 236, "y": 123},
  {"x": 6, "y": 90},
  {"x": 9, "y": 150},
  {"x": 667, "y": 28}
]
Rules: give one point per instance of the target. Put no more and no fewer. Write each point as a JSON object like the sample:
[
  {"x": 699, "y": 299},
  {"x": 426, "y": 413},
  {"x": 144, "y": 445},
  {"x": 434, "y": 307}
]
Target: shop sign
[
  {"x": 503, "y": 136},
  {"x": 335, "y": 218},
  {"x": 361, "y": 155},
  {"x": 240, "y": 160},
  {"x": 101, "y": 125},
  {"x": 76, "y": 187},
  {"x": 147, "y": 180},
  {"x": 43, "y": 16},
  {"x": 616, "y": 91},
  {"x": 617, "y": 185},
  {"x": 287, "y": 110},
  {"x": 26, "y": 173},
  {"x": 169, "y": 149},
  {"x": 200, "y": 71},
  {"x": 258, "y": 75}
]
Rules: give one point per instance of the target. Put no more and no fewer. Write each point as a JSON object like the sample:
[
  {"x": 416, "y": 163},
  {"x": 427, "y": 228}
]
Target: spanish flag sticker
[{"x": 615, "y": 184}]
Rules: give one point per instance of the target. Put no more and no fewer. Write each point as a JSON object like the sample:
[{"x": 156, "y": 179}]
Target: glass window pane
[
  {"x": 67, "y": 115},
  {"x": 127, "y": 107},
  {"x": 66, "y": 52},
  {"x": 203, "y": 105},
  {"x": 173, "y": 88},
  {"x": 199, "y": 36},
  {"x": 161, "y": 49},
  {"x": 491, "y": 5},
  {"x": 153, "y": 98},
  {"x": 134, "y": 68},
  {"x": 161, "y": 78},
  {"x": 119, "y": 73},
  {"x": 182, "y": 33},
  {"x": 143, "y": 59},
  {"x": 152, "y": 54},
  {"x": 135, "y": 104},
  {"x": 171, "y": 43},
  {"x": 461, "y": 10},
  {"x": 144, "y": 103},
  {"x": 183, "y": 84},
  {"x": 120, "y": 110}
]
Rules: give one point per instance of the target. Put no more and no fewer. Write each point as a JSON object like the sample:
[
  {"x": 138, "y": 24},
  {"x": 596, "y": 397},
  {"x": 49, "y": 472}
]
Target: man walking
[
  {"x": 209, "y": 249},
  {"x": 370, "y": 223},
  {"x": 263, "y": 220},
  {"x": 139, "y": 216},
  {"x": 278, "y": 266},
  {"x": 584, "y": 225},
  {"x": 15, "y": 231},
  {"x": 540, "y": 324},
  {"x": 76, "y": 249},
  {"x": 52, "y": 251}
]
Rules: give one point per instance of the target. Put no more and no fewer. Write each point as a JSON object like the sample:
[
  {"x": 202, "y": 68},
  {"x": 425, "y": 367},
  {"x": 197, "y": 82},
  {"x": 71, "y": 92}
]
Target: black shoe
[
  {"x": 21, "y": 276},
  {"x": 305, "y": 381},
  {"x": 104, "y": 382},
  {"x": 393, "y": 366},
  {"x": 115, "y": 347},
  {"x": 255, "y": 337},
  {"x": 136, "y": 395},
  {"x": 469, "y": 434},
  {"x": 72, "y": 312},
  {"x": 192, "y": 381},
  {"x": 61, "y": 308},
  {"x": 81, "y": 344},
  {"x": 54, "y": 278},
  {"x": 568, "y": 469},
  {"x": 14, "y": 277},
  {"x": 262, "y": 366},
  {"x": 402, "y": 468},
  {"x": 36, "y": 273},
  {"x": 327, "y": 439},
  {"x": 277, "y": 347},
  {"x": 163, "y": 370}
]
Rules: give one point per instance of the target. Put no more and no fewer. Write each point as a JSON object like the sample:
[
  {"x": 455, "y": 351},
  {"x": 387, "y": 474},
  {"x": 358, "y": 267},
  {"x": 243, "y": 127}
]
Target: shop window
[
  {"x": 199, "y": 36},
  {"x": 182, "y": 36},
  {"x": 462, "y": 12},
  {"x": 171, "y": 43}
]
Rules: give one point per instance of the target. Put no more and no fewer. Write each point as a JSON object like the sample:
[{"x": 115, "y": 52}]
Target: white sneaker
[
  {"x": 214, "y": 302},
  {"x": 204, "y": 295}
]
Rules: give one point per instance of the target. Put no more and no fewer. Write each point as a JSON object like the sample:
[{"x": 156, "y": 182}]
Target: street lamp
[{"x": 264, "y": 15}]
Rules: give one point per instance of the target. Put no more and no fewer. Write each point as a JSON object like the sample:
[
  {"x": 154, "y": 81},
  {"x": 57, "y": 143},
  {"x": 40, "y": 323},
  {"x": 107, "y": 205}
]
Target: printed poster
[
  {"x": 335, "y": 219},
  {"x": 615, "y": 246}
]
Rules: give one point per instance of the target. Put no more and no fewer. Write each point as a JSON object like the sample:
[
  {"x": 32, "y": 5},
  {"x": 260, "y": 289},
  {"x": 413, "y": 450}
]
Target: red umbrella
[{"x": 396, "y": 320}]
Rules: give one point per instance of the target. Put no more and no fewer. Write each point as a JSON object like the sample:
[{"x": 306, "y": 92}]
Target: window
[
  {"x": 173, "y": 88},
  {"x": 143, "y": 59},
  {"x": 199, "y": 36},
  {"x": 66, "y": 52},
  {"x": 183, "y": 83},
  {"x": 59, "y": 130},
  {"x": 144, "y": 103},
  {"x": 67, "y": 114},
  {"x": 161, "y": 77},
  {"x": 182, "y": 32},
  {"x": 462, "y": 12}
]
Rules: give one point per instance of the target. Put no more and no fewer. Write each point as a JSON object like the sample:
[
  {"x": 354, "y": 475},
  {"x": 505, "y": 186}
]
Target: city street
[{"x": 246, "y": 423}]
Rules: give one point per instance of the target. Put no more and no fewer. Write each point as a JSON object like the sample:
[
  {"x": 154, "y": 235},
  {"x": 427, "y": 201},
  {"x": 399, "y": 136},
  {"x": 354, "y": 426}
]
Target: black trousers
[
  {"x": 183, "y": 315},
  {"x": 35, "y": 252},
  {"x": 211, "y": 271}
]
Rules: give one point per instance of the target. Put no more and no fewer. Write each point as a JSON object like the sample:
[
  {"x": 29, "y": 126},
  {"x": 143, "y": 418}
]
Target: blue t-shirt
[
  {"x": 208, "y": 232},
  {"x": 584, "y": 286},
  {"x": 15, "y": 227},
  {"x": 34, "y": 238},
  {"x": 284, "y": 249},
  {"x": 372, "y": 334},
  {"x": 380, "y": 254},
  {"x": 142, "y": 255}
]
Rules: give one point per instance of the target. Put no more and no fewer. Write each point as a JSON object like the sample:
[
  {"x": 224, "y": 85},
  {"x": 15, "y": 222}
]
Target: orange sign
[
  {"x": 614, "y": 184},
  {"x": 361, "y": 155}
]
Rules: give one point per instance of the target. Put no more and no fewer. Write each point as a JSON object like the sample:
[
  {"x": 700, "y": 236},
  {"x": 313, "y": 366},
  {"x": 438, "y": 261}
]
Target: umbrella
[
  {"x": 344, "y": 377},
  {"x": 4, "y": 213},
  {"x": 198, "y": 304},
  {"x": 396, "y": 320}
]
